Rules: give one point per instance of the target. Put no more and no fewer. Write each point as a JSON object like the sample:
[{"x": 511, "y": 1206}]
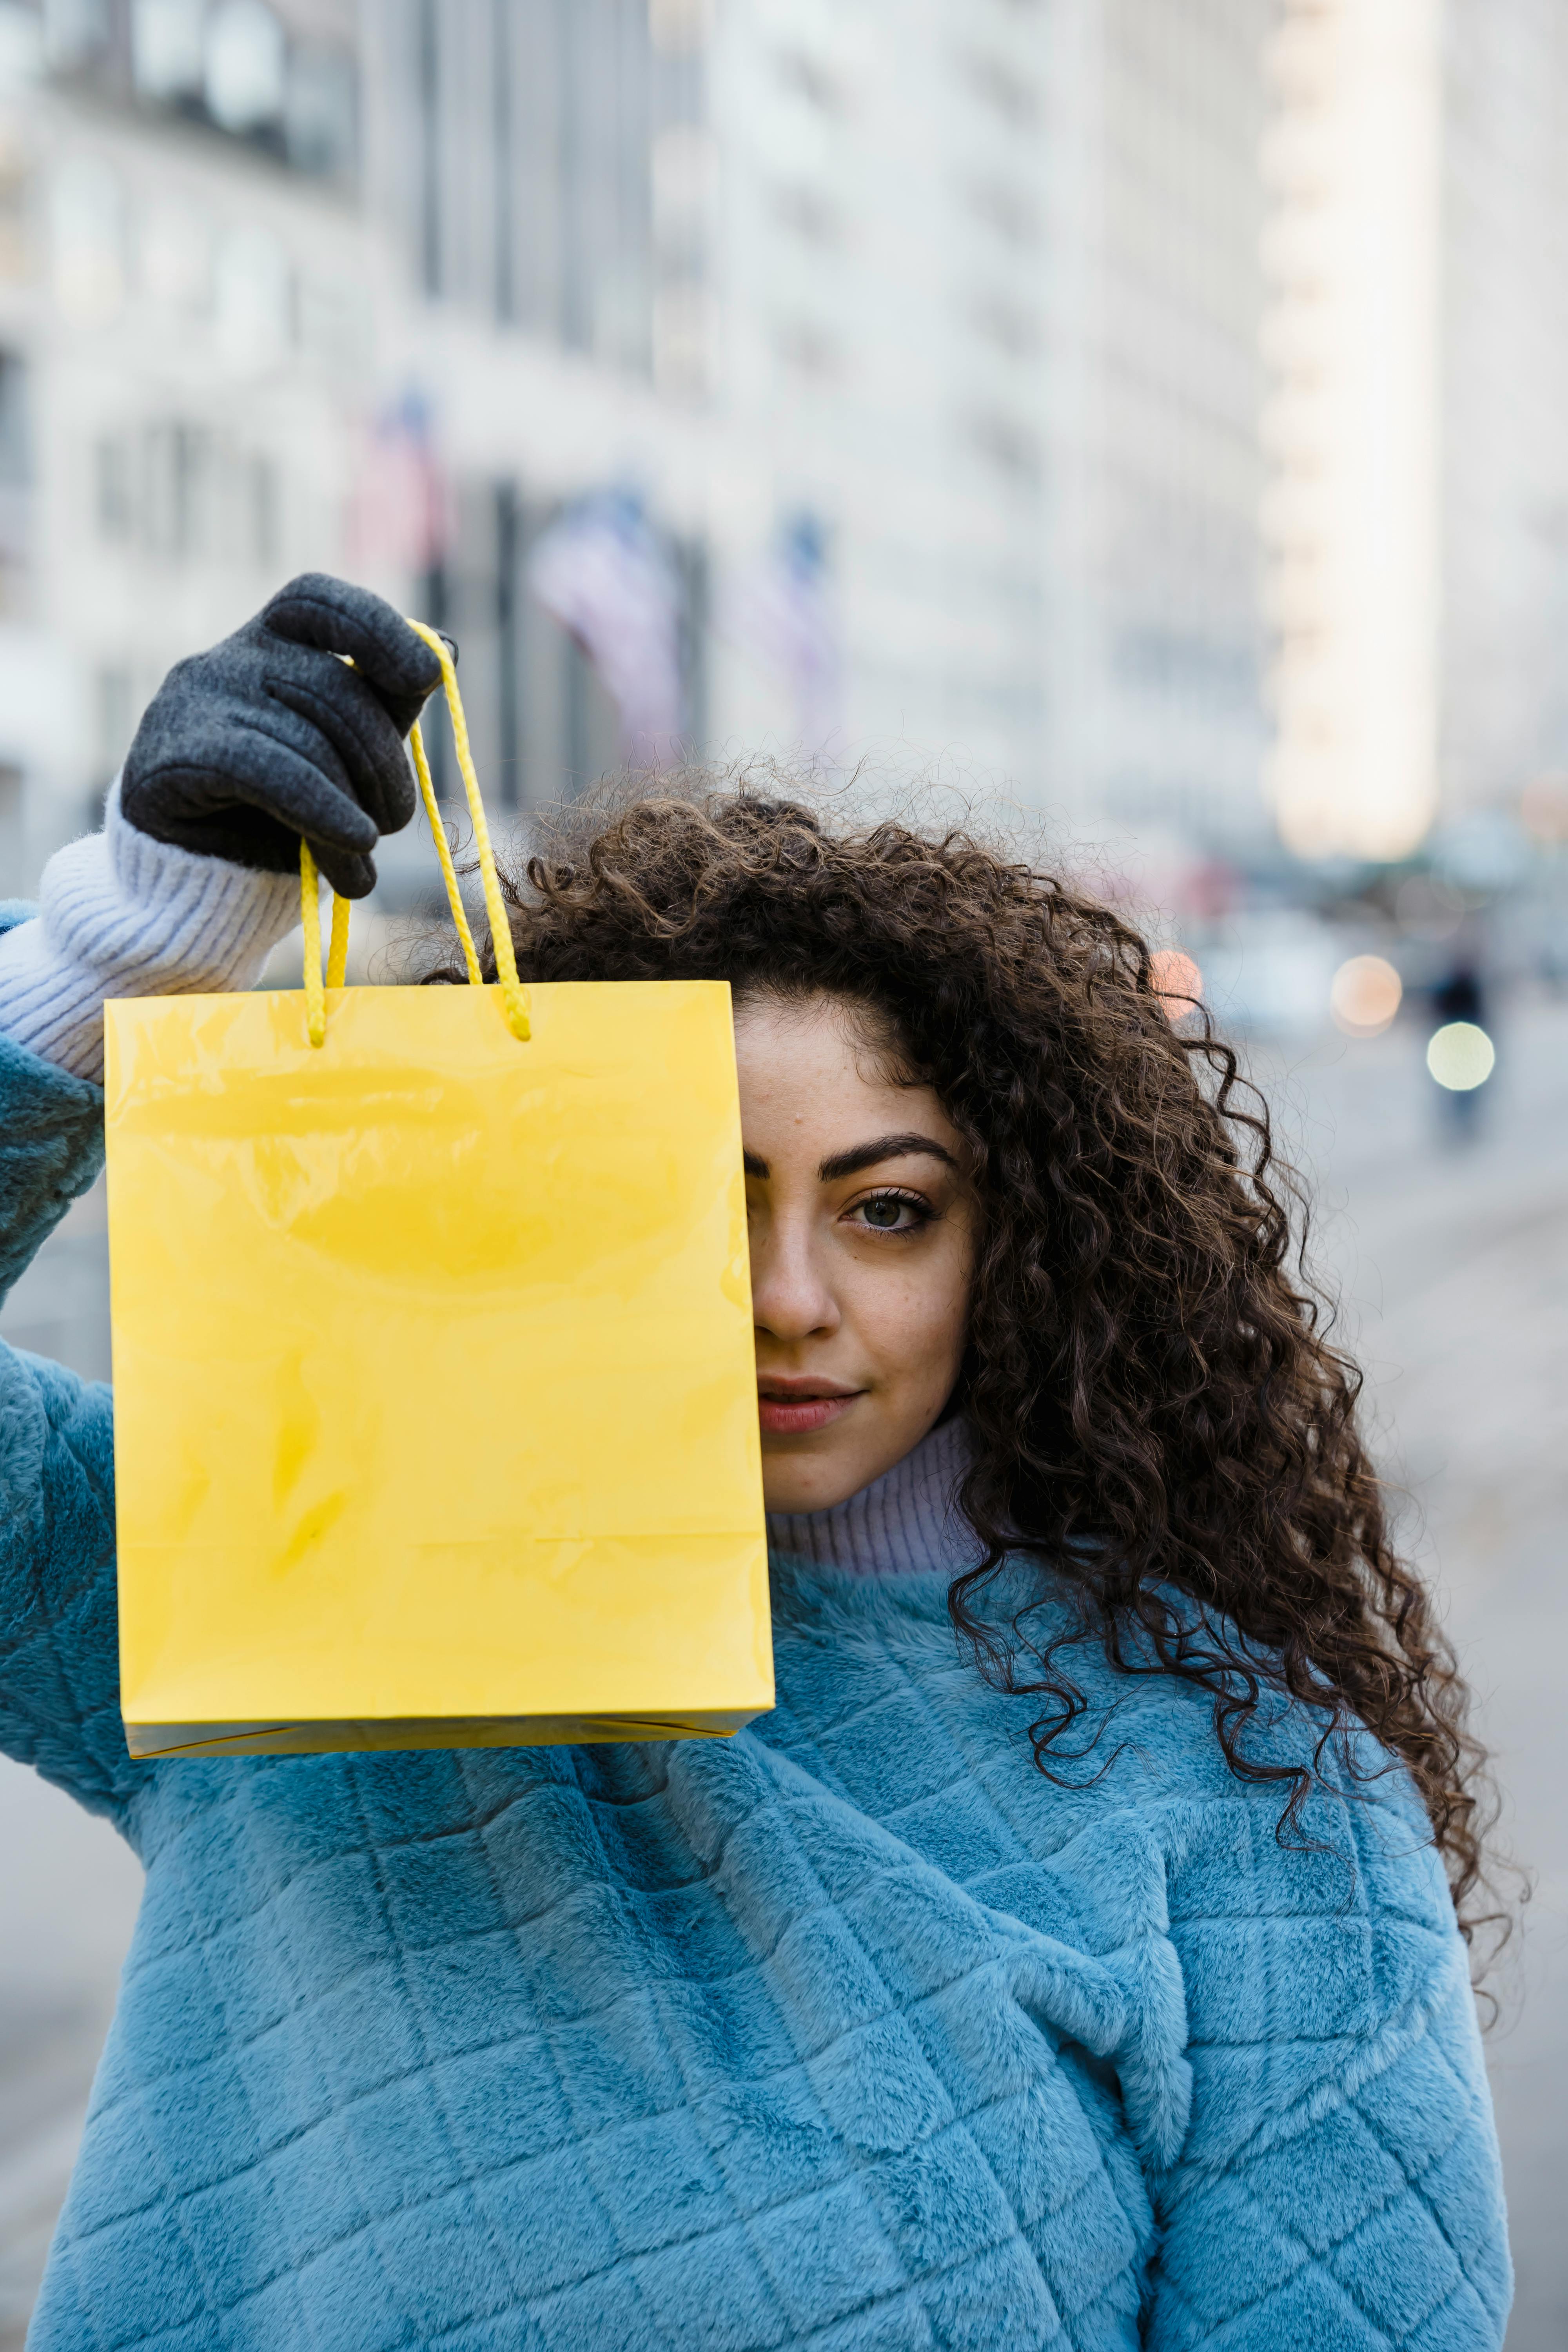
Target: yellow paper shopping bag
[{"x": 436, "y": 1403}]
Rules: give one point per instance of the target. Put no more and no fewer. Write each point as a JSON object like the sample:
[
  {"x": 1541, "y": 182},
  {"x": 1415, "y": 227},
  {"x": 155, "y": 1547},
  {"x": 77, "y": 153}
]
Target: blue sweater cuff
[{"x": 51, "y": 1147}]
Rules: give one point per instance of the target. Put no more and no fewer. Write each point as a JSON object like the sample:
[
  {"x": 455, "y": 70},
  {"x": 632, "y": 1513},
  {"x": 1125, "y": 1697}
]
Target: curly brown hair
[{"x": 1156, "y": 1405}]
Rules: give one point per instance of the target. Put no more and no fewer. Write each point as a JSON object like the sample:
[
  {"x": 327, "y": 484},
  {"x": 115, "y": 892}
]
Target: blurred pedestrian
[
  {"x": 1459, "y": 996},
  {"x": 1460, "y": 1055}
]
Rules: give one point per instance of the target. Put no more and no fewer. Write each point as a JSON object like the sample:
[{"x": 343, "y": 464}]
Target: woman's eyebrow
[
  {"x": 885, "y": 1147},
  {"x": 862, "y": 1155}
]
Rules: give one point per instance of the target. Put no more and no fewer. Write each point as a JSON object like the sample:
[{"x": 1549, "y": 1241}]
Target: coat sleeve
[
  {"x": 59, "y": 1706},
  {"x": 1340, "y": 2183},
  {"x": 51, "y": 1146}
]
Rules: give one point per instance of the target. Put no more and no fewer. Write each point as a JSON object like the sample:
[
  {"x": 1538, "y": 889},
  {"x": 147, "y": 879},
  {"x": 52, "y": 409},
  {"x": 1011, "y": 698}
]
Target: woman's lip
[
  {"x": 783, "y": 1416},
  {"x": 792, "y": 1387}
]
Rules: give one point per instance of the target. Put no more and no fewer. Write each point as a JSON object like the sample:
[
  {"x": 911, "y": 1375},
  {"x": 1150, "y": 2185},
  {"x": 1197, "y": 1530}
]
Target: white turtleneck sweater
[
  {"x": 904, "y": 1522},
  {"x": 123, "y": 915}
]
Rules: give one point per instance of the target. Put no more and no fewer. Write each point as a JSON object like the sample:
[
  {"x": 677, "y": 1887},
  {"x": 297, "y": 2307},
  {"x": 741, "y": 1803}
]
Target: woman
[{"x": 1085, "y": 1976}]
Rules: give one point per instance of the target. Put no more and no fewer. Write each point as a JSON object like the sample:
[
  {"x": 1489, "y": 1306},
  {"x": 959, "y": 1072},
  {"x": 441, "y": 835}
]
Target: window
[
  {"x": 809, "y": 212},
  {"x": 166, "y": 58},
  {"x": 680, "y": 338},
  {"x": 320, "y": 130},
  {"x": 809, "y": 78},
  {"x": 252, "y": 70},
  {"x": 1007, "y": 208},
  {"x": 1007, "y": 443},
  {"x": 76, "y": 32},
  {"x": 113, "y": 719},
  {"x": 15, "y": 183},
  {"x": 261, "y": 504},
  {"x": 177, "y": 467},
  {"x": 432, "y": 154},
  {"x": 186, "y": 491},
  {"x": 253, "y": 288},
  {"x": 1006, "y": 324},
  {"x": 587, "y": 106},
  {"x": 111, "y": 482},
  {"x": 246, "y": 66},
  {"x": 176, "y": 256},
  {"x": 1007, "y": 93},
  {"x": 682, "y": 166},
  {"x": 809, "y": 348},
  {"x": 16, "y": 439},
  {"x": 88, "y": 225}
]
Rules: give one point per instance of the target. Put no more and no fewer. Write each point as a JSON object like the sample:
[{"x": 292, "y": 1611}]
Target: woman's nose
[{"x": 790, "y": 1298}]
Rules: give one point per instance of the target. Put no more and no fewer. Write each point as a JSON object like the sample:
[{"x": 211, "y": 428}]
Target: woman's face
[{"x": 862, "y": 1247}]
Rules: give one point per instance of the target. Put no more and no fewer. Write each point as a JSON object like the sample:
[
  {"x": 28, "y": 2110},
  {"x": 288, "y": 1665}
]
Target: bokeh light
[
  {"x": 1178, "y": 982},
  {"x": 1543, "y": 808},
  {"x": 1461, "y": 1057},
  {"x": 1365, "y": 996}
]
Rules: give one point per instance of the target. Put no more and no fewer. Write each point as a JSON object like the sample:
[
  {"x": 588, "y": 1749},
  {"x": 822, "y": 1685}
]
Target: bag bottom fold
[{"x": 147, "y": 1741}]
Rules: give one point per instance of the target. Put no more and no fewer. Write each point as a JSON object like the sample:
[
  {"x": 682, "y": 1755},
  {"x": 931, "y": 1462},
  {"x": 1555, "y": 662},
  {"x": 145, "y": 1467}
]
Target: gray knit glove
[{"x": 269, "y": 737}]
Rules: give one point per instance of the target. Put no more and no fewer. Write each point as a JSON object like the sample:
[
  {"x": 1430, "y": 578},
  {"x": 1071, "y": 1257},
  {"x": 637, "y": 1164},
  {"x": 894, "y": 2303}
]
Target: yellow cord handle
[
  {"x": 444, "y": 851},
  {"x": 311, "y": 909},
  {"x": 337, "y": 951},
  {"x": 337, "y": 945},
  {"x": 514, "y": 996}
]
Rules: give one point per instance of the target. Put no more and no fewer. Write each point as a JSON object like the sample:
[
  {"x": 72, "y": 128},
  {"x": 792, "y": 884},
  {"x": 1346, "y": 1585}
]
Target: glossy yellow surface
[{"x": 436, "y": 1404}]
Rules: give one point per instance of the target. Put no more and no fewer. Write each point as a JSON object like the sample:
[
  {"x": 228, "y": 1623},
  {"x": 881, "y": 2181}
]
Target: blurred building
[
  {"x": 779, "y": 270},
  {"x": 920, "y": 345},
  {"x": 1417, "y": 515},
  {"x": 1503, "y": 643},
  {"x": 546, "y": 336},
  {"x": 972, "y": 291},
  {"x": 1153, "y": 393},
  {"x": 185, "y": 330}
]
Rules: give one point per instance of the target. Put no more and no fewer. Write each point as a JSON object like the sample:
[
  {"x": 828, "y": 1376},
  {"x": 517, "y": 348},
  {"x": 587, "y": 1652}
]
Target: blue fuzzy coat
[{"x": 852, "y": 2032}]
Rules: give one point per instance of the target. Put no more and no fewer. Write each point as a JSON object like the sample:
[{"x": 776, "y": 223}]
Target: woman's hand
[
  {"x": 195, "y": 876},
  {"x": 270, "y": 736}
]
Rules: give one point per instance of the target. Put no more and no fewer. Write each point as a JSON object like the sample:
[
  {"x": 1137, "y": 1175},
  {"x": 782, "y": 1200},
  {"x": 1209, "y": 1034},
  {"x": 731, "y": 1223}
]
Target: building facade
[
  {"x": 1154, "y": 644},
  {"x": 1503, "y": 394},
  {"x": 926, "y": 339},
  {"x": 975, "y": 288},
  {"x": 186, "y": 326},
  {"x": 760, "y": 263},
  {"x": 1417, "y": 523}
]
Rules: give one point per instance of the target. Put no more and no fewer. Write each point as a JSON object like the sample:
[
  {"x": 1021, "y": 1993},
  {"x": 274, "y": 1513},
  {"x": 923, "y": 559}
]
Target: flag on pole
[
  {"x": 398, "y": 517},
  {"x": 605, "y": 574},
  {"x": 782, "y": 613}
]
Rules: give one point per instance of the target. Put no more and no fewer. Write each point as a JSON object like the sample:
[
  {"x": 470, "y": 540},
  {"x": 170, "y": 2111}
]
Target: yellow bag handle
[{"x": 514, "y": 996}]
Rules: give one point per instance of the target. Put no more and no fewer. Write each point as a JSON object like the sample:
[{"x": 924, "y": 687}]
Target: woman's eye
[{"x": 891, "y": 1213}]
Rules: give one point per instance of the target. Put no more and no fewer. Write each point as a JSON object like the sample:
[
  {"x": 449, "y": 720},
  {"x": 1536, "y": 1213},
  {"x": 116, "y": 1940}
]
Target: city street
[{"x": 1453, "y": 1258}]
